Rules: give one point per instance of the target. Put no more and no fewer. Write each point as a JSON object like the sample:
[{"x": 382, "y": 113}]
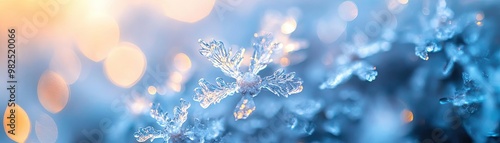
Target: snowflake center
[{"x": 249, "y": 83}]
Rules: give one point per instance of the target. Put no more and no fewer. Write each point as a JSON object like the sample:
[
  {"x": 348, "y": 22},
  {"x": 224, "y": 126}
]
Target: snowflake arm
[
  {"x": 263, "y": 49},
  {"x": 208, "y": 93},
  {"x": 171, "y": 127},
  {"x": 283, "y": 84},
  {"x": 150, "y": 133},
  {"x": 222, "y": 57},
  {"x": 363, "y": 70}
]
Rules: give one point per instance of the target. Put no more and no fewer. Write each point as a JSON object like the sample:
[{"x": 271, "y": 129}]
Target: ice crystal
[
  {"x": 467, "y": 97},
  {"x": 171, "y": 127},
  {"x": 361, "y": 69},
  {"x": 249, "y": 83}
]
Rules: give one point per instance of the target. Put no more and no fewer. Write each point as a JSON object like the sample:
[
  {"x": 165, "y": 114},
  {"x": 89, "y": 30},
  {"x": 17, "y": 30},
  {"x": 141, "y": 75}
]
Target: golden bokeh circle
[
  {"x": 189, "y": 11},
  {"x": 97, "y": 35},
  {"x": 125, "y": 65},
  {"x": 53, "y": 92},
  {"x": 21, "y": 122},
  {"x": 182, "y": 62},
  {"x": 152, "y": 90},
  {"x": 407, "y": 116}
]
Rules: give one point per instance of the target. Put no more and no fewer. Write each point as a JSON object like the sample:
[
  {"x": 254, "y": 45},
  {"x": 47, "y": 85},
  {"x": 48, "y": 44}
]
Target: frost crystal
[
  {"x": 171, "y": 128},
  {"x": 361, "y": 69},
  {"x": 248, "y": 84},
  {"x": 470, "y": 93}
]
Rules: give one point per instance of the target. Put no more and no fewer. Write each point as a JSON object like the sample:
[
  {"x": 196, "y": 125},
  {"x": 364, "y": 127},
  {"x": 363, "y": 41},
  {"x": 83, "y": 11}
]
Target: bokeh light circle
[
  {"x": 53, "y": 92},
  {"x": 348, "y": 10},
  {"x": 67, "y": 64},
  {"x": 97, "y": 35},
  {"x": 125, "y": 65},
  {"x": 182, "y": 62},
  {"x": 46, "y": 129},
  {"x": 189, "y": 11},
  {"x": 329, "y": 31},
  {"x": 21, "y": 122}
]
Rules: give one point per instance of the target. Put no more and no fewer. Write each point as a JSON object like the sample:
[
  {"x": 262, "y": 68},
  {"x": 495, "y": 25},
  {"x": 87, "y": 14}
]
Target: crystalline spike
[
  {"x": 159, "y": 115},
  {"x": 222, "y": 57},
  {"x": 283, "y": 84},
  {"x": 367, "y": 73},
  {"x": 363, "y": 70},
  {"x": 148, "y": 133},
  {"x": 208, "y": 93},
  {"x": 421, "y": 52},
  {"x": 244, "y": 108},
  {"x": 263, "y": 49},
  {"x": 445, "y": 100},
  {"x": 171, "y": 127},
  {"x": 180, "y": 112}
]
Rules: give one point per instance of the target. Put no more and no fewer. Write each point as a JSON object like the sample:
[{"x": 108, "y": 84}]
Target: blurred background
[{"x": 402, "y": 71}]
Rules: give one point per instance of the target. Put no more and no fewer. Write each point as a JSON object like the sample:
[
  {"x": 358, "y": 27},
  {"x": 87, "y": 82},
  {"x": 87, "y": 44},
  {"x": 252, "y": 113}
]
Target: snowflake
[
  {"x": 172, "y": 128},
  {"x": 249, "y": 83}
]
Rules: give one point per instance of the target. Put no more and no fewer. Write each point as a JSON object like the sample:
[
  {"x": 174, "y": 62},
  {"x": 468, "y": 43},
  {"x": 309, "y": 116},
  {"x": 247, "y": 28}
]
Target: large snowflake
[{"x": 249, "y": 83}]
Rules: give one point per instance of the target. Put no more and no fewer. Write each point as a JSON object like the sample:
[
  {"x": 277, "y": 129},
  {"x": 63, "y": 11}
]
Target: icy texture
[
  {"x": 209, "y": 93},
  {"x": 171, "y": 128},
  {"x": 248, "y": 84},
  {"x": 361, "y": 69},
  {"x": 206, "y": 130},
  {"x": 283, "y": 84},
  {"x": 263, "y": 49},
  {"x": 222, "y": 58},
  {"x": 470, "y": 93}
]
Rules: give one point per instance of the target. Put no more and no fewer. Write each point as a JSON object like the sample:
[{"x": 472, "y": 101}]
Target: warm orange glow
[
  {"x": 46, "y": 129},
  {"x": 175, "y": 86},
  {"x": 125, "y": 65},
  {"x": 189, "y": 11},
  {"x": 348, "y": 10},
  {"x": 479, "y": 16},
  {"x": 53, "y": 92},
  {"x": 176, "y": 77},
  {"x": 97, "y": 35},
  {"x": 182, "y": 62},
  {"x": 152, "y": 90},
  {"x": 22, "y": 123},
  {"x": 407, "y": 116},
  {"x": 479, "y": 23},
  {"x": 284, "y": 61},
  {"x": 289, "y": 26},
  {"x": 290, "y": 47},
  {"x": 66, "y": 63}
]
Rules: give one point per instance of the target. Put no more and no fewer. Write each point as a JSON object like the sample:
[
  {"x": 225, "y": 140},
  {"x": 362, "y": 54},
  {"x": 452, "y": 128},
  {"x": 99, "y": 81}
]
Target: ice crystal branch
[
  {"x": 222, "y": 57},
  {"x": 264, "y": 48},
  {"x": 208, "y": 93},
  {"x": 248, "y": 84},
  {"x": 283, "y": 84},
  {"x": 470, "y": 93},
  {"x": 171, "y": 127},
  {"x": 361, "y": 69}
]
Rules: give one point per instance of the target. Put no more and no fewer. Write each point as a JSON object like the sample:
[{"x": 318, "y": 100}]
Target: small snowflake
[
  {"x": 172, "y": 128},
  {"x": 249, "y": 83}
]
